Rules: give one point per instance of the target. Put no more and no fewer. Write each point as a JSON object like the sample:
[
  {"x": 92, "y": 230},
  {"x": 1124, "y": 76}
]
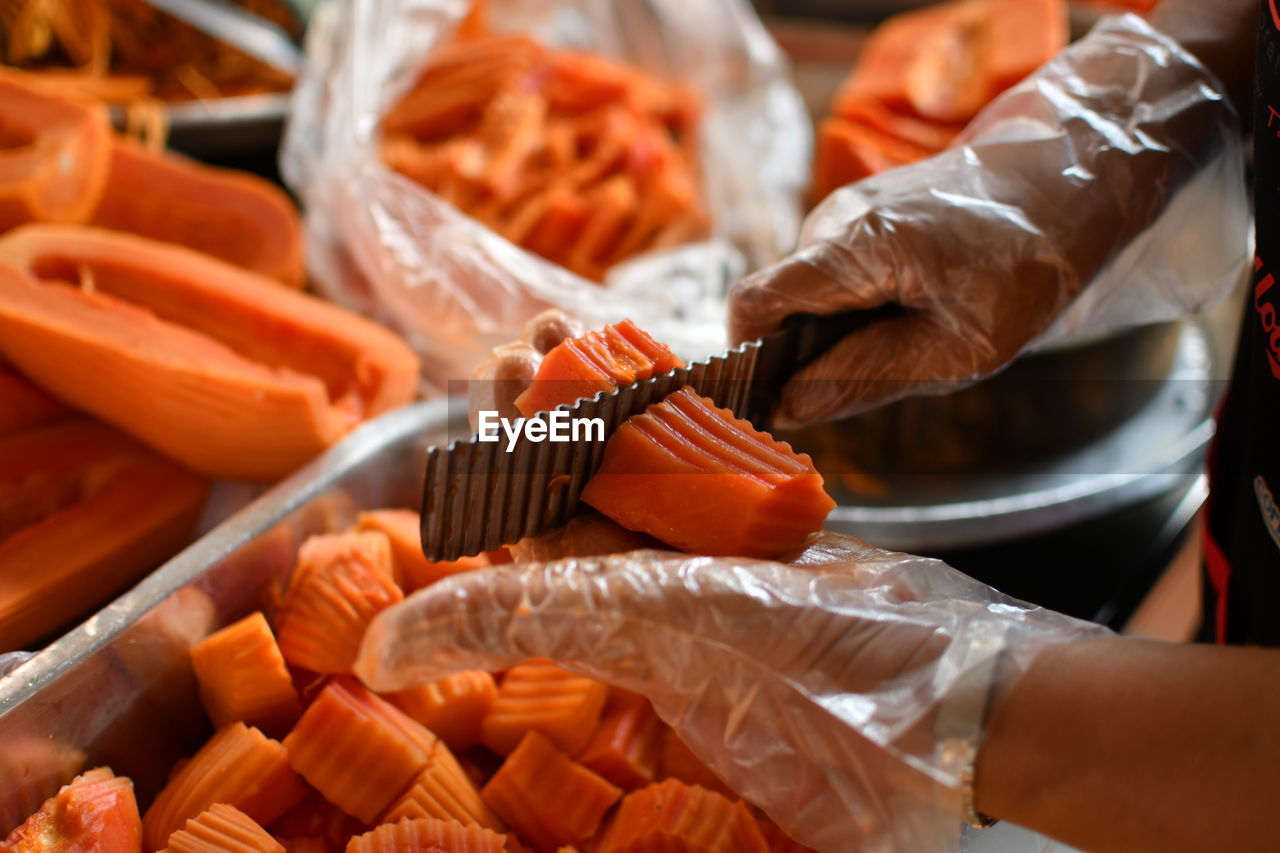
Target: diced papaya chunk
[
  {"x": 23, "y": 406},
  {"x": 849, "y": 151},
  {"x": 341, "y": 582},
  {"x": 239, "y": 766},
  {"x": 236, "y": 216},
  {"x": 443, "y": 790},
  {"x": 626, "y": 745},
  {"x": 427, "y": 834},
  {"x": 598, "y": 361},
  {"x": 243, "y": 677},
  {"x": 413, "y": 570},
  {"x": 306, "y": 844},
  {"x": 357, "y": 749},
  {"x": 94, "y": 510},
  {"x": 545, "y": 797},
  {"x": 677, "y": 761},
  {"x": 222, "y": 829},
  {"x": 213, "y": 365},
  {"x": 703, "y": 481},
  {"x": 316, "y": 817},
  {"x": 453, "y": 707},
  {"x": 96, "y": 811},
  {"x": 674, "y": 816},
  {"x": 540, "y": 696},
  {"x": 54, "y": 150}
]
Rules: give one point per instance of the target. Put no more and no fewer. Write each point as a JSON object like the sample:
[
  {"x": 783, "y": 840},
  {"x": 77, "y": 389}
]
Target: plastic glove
[
  {"x": 843, "y": 694},
  {"x": 1117, "y": 165}
]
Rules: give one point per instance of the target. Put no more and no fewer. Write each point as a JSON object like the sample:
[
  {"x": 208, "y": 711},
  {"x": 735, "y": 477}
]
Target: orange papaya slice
[
  {"x": 243, "y": 677},
  {"x": 341, "y": 581},
  {"x": 54, "y": 152},
  {"x": 694, "y": 476},
  {"x": 222, "y": 829},
  {"x": 232, "y": 215},
  {"x": 316, "y": 817},
  {"x": 626, "y": 746},
  {"x": 546, "y": 798},
  {"x": 427, "y": 834},
  {"x": 213, "y": 365},
  {"x": 671, "y": 815},
  {"x": 413, "y": 570},
  {"x": 357, "y": 749},
  {"x": 849, "y": 151},
  {"x": 453, "y": 707},
  {"x": 95, "y": 811},
  {"x": 443, "y": 790},
  {"x": 94, "y": 510},
  {"x": 618, "y": 355},
  {"x": 239, "y": 766},
  {"x": 539, "y": 696}
]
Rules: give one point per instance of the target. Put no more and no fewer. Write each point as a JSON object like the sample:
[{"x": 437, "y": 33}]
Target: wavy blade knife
[{"x": 479, "y": 496}]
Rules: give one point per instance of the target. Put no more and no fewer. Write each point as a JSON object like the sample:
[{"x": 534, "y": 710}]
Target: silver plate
[{"x": 1159, "y": 449}]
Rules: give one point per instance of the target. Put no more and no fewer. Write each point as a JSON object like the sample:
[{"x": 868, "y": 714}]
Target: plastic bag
[
  {"x": 386, "y": 246},
  {"x": 842, "y": 694},
  {"x": 1104, "y": 191}
]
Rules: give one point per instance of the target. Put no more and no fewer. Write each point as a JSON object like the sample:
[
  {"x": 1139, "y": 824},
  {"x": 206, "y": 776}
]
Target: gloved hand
[
  {"x": 1104, "y": 191},
  {"x": 843, "y": 693}
]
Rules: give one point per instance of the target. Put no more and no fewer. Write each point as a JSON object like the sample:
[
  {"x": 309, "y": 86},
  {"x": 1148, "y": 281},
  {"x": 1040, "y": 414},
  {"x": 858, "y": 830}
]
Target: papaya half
[{"x": 217, "y": 367}]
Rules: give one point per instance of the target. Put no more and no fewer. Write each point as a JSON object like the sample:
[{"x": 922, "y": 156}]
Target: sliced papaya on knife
[
  {"x": 231, "y": 215},
  {"x": 694, "y": 476},
  {"x": 618, "y": 355},
  {"x": 213, "y": 365}
]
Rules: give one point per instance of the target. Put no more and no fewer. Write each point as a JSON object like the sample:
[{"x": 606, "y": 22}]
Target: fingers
[
  {"x": 589, "y": 534},
  {"x": 879, "y": 364}
]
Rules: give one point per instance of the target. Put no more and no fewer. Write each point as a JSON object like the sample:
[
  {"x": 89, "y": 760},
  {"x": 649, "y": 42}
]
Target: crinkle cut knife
[{"x": 478, "y": 496}]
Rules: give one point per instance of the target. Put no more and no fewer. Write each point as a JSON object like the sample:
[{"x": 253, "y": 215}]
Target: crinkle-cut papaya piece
[
  {"x": 618, "y": 355},
  {"x": 546, "y": 798},
  {"x": 671, "y": 815},
  {"x": 694, "y": 476},
  {"x": 94, "y": 510},
  {"x": 54, "y": 152},
  {"x": 96, "y": 811},
  {"x": 540, "y": 696},
  {"x": 413, "y": 570},
  {"x": 778, "y": 841},
  {"x": 453, "y": 708},
  {"x": 341, "y": 581},
  {"x": 677, "y": 761},
  {"x": 316, "y": 817},
  {"x": 357, "y": 749},
  {"x": 243, "y": 677},
  {"x": 23, "y": 406},
  {"x": 222, "y": 829},
  {"x": 238, "y": 766},
  {"x": 232, "y": 215},
  {"x": 443, "y": 790},
  {"x": 848, "y": 151},
  {"x": 425, "y": 835},
  {"x": 215, "y": 366},
  {"x": 627, "y": 744}
]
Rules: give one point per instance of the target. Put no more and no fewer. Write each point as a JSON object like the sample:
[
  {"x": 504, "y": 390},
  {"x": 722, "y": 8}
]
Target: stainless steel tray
[{"x": 118, "y": 689}]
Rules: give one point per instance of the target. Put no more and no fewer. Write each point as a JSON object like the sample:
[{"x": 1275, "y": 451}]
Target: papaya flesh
[
  {"x": 232, "y": 215},
  {"x": 617, "y": 356},
  {"x": 215, "y": 366},
  {"x": 23, "y": 406},
  {"x": 54, "y": 152},
  {"x": 84, "y": 511},
  {"x": 694, "y": 476}
]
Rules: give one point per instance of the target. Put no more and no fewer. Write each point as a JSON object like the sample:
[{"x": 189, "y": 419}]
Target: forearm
[
  {"x": 1130, "y": 745},
  {"x": 1221, "y": 34}
]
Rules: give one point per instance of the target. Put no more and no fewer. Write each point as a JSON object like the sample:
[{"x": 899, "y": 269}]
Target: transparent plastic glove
[
  {"x": 838, "y": 693},
  {"x": 1104, "y": 191}
]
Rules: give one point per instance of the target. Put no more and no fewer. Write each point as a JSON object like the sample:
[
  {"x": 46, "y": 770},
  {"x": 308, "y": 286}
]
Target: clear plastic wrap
[
  {"x": 858, "y": 676},
  {"x": 1104, "y": 191},
  {"x": 387, "y": 246}
]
